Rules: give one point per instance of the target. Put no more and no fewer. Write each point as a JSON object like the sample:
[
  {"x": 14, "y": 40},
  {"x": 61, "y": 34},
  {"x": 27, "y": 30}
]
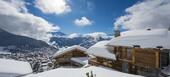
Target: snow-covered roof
[
  {"x": 100, "y": 50},
  {"x": 15, "y": 67},
  {"x": 81, "y": 72},
  {"x": 143, "y": 38},
  {"x": 144, "y": 32},
  {"x": 166, "y": 70},
  {"x": 60, "y": 52}
]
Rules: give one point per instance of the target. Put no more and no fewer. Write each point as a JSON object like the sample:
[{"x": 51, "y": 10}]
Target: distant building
[{"x": 74, "y": 56}]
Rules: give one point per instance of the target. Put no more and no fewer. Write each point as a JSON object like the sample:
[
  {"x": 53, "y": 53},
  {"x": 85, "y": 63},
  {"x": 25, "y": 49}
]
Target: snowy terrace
[
  {"x": 81, "y": 72},
  {"x": 143, "y": 38},
  {"x": 100, "y": 50},
  {"x": 12, "y": 68}
]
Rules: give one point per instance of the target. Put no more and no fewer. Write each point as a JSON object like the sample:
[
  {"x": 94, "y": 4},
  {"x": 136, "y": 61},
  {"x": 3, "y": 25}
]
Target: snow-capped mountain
[{"x": 85, "y": 40}]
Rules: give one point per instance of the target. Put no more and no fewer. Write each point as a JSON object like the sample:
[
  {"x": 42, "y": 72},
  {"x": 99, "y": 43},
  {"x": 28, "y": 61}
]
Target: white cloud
[
  {"x": 83, "y": 22},
  {"x": 14, "y": 18},
  {"x": 74, "y": 35},
  {"x": 53, "y": 6},
  {"x": 146, "y": 14}
]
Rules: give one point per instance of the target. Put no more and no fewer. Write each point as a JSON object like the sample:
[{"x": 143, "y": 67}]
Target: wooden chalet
[
  {"x": 73, "y": 56},
  {"x": 101, "y": 55},
  {"x": 144, "y": 52}
]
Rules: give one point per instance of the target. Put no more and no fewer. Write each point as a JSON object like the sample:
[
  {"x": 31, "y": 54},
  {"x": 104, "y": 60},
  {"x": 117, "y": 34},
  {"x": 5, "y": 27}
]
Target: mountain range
[
  {"x": 86, "y": 40},
  {"x": 59, "y": 40}
]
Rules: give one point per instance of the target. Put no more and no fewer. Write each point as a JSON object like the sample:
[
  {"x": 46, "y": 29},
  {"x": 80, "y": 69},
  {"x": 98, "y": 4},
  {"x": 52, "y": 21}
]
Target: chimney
[
  {"x": 136, "y": 46},
  {"x": 159, "y": 47},
  {"x": 117, "y": 33},
  {"x": 149, "y": 29}
]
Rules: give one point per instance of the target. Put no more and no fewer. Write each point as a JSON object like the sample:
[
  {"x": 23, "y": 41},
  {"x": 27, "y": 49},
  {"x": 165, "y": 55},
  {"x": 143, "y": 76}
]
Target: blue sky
[
  {"x": 38, "y": 18},
  {"x": 103, "y": 13}
]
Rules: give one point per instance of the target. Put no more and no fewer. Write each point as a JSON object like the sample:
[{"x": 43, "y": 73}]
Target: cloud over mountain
[
  {"x": 74, "y": 35},
  {"x": 83, "y": 21},
  {"x": 14, "y": 18},
  {"x": 96, "y": 34},
  {"x": 146, "y": 14}
]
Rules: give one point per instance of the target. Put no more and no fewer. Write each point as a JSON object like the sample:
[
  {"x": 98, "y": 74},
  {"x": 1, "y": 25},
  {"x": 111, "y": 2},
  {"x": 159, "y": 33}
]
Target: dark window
[{"x": 165, "y": 57}]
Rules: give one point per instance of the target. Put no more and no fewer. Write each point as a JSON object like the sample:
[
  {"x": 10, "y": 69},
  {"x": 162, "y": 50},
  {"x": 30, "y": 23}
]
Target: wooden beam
[{"x": 125, "y": 60}]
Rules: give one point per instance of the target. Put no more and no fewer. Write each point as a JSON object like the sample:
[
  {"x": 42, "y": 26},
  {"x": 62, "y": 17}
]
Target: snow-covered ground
[
  {"x": 166, "y": 71},
  {"x": 81, "y": 72},
  {"x": 13, "y": 67}
]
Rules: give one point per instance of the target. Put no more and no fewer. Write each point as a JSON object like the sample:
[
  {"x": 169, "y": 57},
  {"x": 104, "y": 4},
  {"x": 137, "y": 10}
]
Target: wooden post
[
  {"x": 133, "y": 55},
  {"x": 133, "y": 61},
  {"x": 157, "y": 59}
]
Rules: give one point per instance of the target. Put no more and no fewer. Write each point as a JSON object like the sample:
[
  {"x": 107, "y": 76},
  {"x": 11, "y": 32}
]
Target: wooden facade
[
  {"x": 135, "y": 60},
  {"x": 65, "y": 58},
  {"x": 142, "y": 60},
  {"x": 148, "y": 58}
]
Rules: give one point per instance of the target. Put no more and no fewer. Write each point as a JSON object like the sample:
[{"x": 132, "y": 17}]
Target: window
[{"x": 165, "y": 58}]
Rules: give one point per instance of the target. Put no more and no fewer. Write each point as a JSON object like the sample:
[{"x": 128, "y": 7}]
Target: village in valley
[{"x": 84, "y": 38}]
